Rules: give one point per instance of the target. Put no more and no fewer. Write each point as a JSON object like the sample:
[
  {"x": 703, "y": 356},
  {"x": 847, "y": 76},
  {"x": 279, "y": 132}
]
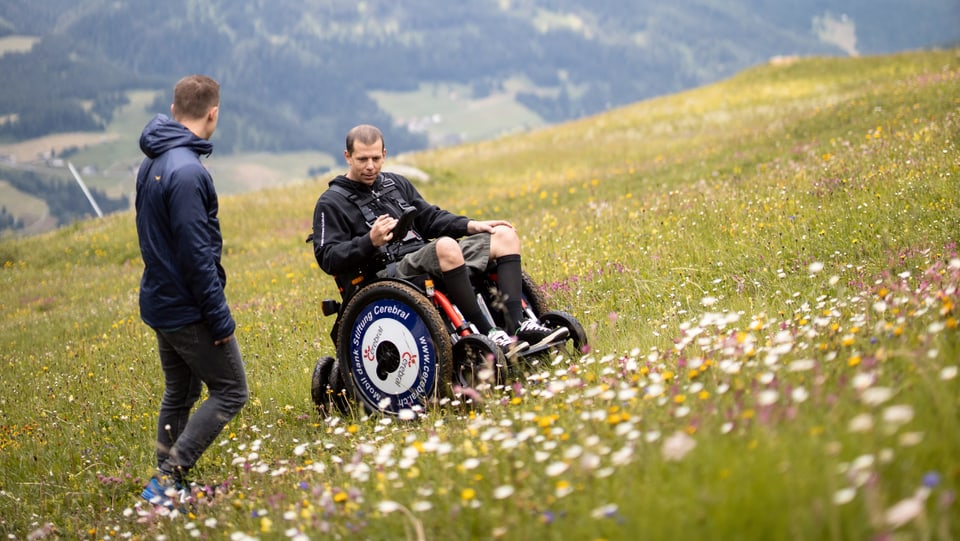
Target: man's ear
[{"x": 172, "y": 113}]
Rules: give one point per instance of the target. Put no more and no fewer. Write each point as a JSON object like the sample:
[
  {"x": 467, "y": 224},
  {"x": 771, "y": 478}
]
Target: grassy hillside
[{"x": 768, "y": 271}]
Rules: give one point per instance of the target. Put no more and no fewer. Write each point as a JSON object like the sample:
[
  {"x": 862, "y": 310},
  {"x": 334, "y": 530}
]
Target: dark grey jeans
[{"x": 190, "y": 360}]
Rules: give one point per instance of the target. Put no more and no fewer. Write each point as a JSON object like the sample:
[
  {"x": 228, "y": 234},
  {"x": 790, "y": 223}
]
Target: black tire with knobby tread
[
  {"x": 474, "y": 353},
  {"x": 534, "y": 295},
  {"x": 531, "y": 292},
  {"x": 320, "y": 383},
  {"x": 338, "y": 396},
  {"x": 557, "y": 318},
  {"x": 422, "y": 307}
]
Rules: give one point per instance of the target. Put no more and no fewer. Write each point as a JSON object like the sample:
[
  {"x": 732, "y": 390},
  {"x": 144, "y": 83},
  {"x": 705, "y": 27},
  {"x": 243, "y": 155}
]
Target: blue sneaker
[{"x": 165, "y": 493}]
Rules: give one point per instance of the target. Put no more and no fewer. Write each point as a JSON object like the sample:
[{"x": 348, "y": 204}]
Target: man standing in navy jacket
[{"x": 182, "y": 289}]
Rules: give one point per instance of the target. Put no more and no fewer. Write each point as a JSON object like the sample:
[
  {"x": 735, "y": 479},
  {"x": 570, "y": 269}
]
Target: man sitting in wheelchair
[{"x": 375, "y": 224}]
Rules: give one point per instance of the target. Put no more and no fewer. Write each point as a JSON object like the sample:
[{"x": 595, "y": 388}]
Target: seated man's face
[{"x": 365, "y": 162}]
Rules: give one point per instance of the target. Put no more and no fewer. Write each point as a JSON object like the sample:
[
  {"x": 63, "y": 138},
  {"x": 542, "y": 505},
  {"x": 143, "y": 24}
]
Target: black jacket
[
  {"x": 179, "y": 232},
  {"x": 341, "y": 236}
]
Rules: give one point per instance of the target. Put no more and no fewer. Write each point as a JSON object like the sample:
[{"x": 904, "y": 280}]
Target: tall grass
[{"x": 768, "y": 271}]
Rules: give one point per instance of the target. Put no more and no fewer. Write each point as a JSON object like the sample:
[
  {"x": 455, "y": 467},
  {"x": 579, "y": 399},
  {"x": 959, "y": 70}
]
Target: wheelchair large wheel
[
  {"x": 534, "y": 300},
  {"x": 553, "y": 318},
  {"x": 478, "y": 361},
  {"x": 320, "y": 383},
  {"x": 533, "y": 295},
  {"x": 393, "y": 348}
]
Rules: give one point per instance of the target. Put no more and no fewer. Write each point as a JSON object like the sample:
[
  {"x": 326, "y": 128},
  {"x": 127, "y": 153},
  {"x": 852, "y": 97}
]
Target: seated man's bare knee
[
  {"x": 448, "y": 253},
  {"x": 503, "y": 241}
]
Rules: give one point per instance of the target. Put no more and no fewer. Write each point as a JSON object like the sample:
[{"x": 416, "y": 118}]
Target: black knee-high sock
[
  {"x": 510, "y": 281},
  {"x": 460, "y": 292}
]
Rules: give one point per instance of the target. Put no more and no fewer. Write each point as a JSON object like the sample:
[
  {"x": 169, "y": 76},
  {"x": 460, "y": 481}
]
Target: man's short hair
[
  {"x": 366, "y": 134},
  {"x": 194, "y": 96}
]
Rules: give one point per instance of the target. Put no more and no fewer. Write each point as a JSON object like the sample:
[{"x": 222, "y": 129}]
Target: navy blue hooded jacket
[{"x": 179, "y": 232}]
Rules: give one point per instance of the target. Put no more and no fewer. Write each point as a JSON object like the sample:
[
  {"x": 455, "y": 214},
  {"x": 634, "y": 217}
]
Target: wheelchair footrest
[
  {"x": 329, "y": 307},
  {"x": 532, "y": 350}
]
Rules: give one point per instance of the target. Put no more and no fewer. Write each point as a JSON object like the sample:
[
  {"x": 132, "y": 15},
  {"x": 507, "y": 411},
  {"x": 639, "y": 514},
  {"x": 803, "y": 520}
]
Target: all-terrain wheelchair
[{"x": 402, "y": 345}]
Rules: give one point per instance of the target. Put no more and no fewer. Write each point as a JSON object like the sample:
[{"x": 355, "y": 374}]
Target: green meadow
[{"x": 766, "y": 267}]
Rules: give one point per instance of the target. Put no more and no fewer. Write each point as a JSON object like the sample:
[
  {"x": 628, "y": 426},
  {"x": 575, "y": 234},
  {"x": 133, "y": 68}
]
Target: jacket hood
[
  {"x": 342, "y": 180},
  {"x": 163, "y": 133},
  {"x": 354, "y": 186}
]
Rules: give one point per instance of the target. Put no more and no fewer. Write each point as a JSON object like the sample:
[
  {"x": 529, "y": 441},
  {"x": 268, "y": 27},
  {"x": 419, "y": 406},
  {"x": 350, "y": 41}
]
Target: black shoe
[
  {"x": 539, "y": 335},
  {"x": 511, "y": 346}
]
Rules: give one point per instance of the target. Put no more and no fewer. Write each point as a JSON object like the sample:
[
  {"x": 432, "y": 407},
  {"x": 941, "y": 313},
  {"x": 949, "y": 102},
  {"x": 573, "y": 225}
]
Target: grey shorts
[{"x": 476, "y": 255}]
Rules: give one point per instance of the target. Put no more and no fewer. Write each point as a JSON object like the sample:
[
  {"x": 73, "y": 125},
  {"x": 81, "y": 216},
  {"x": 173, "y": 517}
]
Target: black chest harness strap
[{"x": 387, "y": 199}]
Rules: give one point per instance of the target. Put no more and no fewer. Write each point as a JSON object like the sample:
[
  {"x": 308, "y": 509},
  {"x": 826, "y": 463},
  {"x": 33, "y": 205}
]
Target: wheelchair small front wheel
[
  {"x": 478, "y": 361},
  {"x": 393, "y": 348},
  {"x": 338, "y": 391},
  {"x": 557, "y": 318}
]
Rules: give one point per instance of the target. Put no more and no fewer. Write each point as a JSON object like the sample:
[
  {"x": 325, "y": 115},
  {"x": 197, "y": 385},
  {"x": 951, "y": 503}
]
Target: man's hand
[
  {"x": 222, "y": 341},
  {"x": 485, "y": 226},
  {"x": 382, "y": 230}
]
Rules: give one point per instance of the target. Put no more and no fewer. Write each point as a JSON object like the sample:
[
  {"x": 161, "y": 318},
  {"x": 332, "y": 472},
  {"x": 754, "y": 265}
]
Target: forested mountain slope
[{"x": 301, "y": 72}]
